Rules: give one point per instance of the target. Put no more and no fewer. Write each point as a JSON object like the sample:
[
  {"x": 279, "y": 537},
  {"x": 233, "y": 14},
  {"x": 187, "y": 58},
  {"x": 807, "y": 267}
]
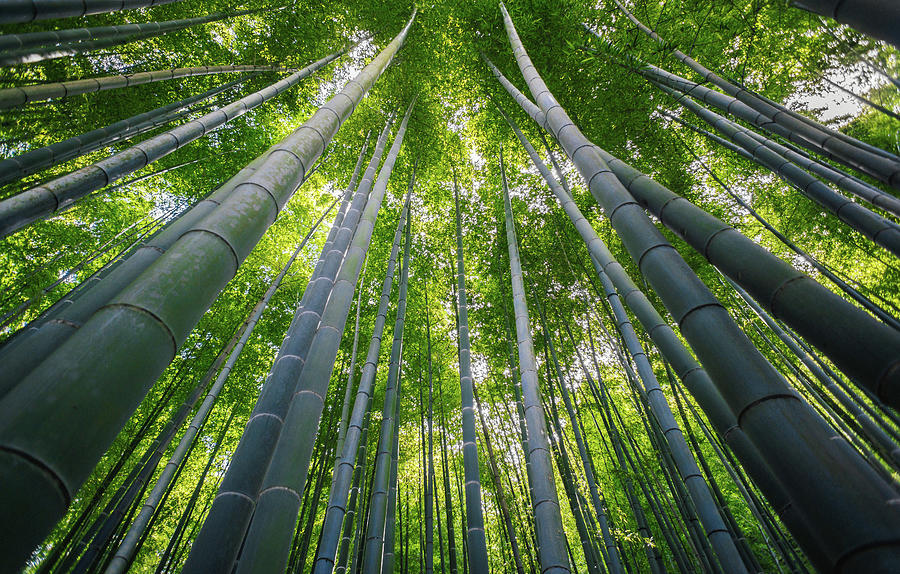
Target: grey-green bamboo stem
[
  {"x": 551, "y": 540},
  {"x": 21, "y": 95},
  {"x": 475, "y": 535},
  {"x": 344, "y": 469},
  {"x": 108, "y": 36},
  {"x": 267, "y": 545},
  {"x": 125, "y": 552},
  {"x": 17, "y": 11},
  {"x": 776, "y": 418}
]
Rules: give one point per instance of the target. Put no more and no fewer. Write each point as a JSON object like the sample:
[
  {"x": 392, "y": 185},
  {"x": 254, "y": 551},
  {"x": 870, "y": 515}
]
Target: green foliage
[{"x": 454, "y": 131}]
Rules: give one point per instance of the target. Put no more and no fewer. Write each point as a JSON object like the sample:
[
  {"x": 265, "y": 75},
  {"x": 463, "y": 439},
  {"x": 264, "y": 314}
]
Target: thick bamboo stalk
[
  {"x": 123, "y": 348},
  {"x": 44, "y": 200},
  {"x": 545, "y": 503},
  {"x": 877, "y": 228},
  {"x": 779, "y": 422},
  {"x": 21, "y": 95},
  {"x": 81, "y": 41},
  {"x": 344, "y": 469},
  {"x": 475, "y": 535},
  {"x": 877, "y": 18},
  {"x": 17, "y": 11},
  {"x": 268, "y": 537}
]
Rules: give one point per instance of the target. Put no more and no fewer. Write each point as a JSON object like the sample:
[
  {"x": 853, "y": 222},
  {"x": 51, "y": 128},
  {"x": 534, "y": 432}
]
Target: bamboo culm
[
  {"x": 80, "y": 41},
  {"x": 125, "y": 552},
  {"x": 475, "y": 534},
  {"x": 17, "y": 11},
  {"x": 379, "y": 495},
  {"x": 231, "y": 510},
  {"x": 545, "y": 503},
  {"x": 34, "y": 160}
]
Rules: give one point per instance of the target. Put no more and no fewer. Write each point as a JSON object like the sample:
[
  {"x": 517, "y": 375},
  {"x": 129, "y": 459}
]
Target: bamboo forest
[{"x": 456, "y": 287}]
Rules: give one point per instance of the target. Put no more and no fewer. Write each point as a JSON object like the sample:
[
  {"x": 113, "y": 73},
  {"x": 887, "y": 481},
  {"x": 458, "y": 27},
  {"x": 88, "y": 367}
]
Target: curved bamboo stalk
[
  {"x": 267, "y": 543},
  {"x": 754, "y": 390},
  {"x": 475, "y": 535},
  {"x": 34, "y": 160},
  {"x": 344, "y": 470},
  {"x": 44, "y": 200},
  {"x": 545, "y": 503},
  {"x": 22, "y": 95},
  {"x": 135, "y": 336},
  {"x": 17, "y": 11},
  {"x": 80, "y": 41}
]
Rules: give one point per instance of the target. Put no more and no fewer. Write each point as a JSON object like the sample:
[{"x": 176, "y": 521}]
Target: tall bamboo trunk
[
  {"x": 379, "y": 496},
  {"x": 337, "y": 512},
  {"x": 268, "y": 537},
  {"x": 545, "y": 503},
  {"x": 475, "y": 535},
  {"x": 83, "y": 40},
  {"x": 748, "y": 383},
  {"x": 18, "y": 11},
  {"x": 35, "y": 160},
  {"x": 21, "y": 95}
]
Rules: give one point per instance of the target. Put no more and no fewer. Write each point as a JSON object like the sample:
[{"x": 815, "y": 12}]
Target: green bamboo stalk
[
  {"x": 32, "y": 161},
  {"x": 268, "y": 537},
  {"x": 44, "y": 200},
  {"x": 545, "y": 504},
  {"x": 387, "y": 558},
  {"x": 126, "y": 550},
  {"x": 17, "y": 11},
  {"x": 429, "y": 467},
  {"x": 475, "y": 535},
  {"x": 230, "y": 513},
  {"x": 21, "y": 95},
  {"x": 804, "y": 131},
  {"x": 877, "y": 228},
  {"x": 135, "y": 337}
]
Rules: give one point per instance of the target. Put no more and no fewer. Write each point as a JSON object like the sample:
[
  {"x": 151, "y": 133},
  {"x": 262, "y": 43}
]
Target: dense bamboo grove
[{"x": 362, "y": 287}]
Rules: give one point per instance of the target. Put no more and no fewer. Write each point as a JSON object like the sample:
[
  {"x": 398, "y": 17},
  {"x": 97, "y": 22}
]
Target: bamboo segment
[
  {"x": 545, "y": 503},
  {"x": 266, "y": 547},
  {"x": 17, "y": 11},
  {"x": 346, "y": 463},
  {"x": 475, "y": 535},
  {"x": 778, "y": 421},
  {"x": 106, "y": 36},
  {"x": 22, "y": 95}
]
